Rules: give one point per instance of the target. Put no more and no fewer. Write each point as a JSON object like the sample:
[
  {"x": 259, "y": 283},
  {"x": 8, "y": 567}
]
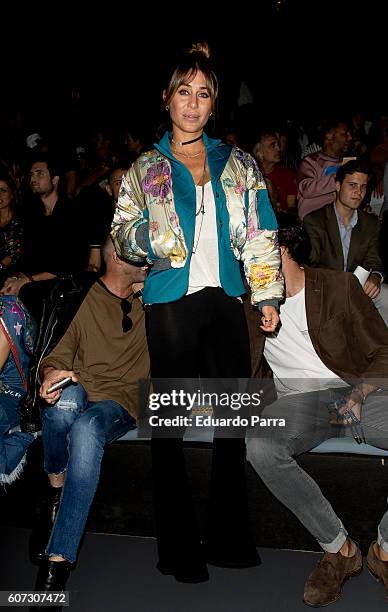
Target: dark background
[{"x": 107, "y": 63}]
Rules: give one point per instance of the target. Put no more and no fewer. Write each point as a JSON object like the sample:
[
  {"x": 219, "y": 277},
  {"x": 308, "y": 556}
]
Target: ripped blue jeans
[
  {"x": 75, "y": 432},
  {"x": 14, "y": 445}
]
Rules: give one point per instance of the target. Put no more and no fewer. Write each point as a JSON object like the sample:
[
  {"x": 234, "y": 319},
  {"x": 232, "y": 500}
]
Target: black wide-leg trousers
[{"x": 203, "y": 334}]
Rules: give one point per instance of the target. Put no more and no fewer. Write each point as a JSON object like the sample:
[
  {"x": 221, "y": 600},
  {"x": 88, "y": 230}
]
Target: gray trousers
[
  {"x": 272, "y": 452},
  {"x": 381, "y": 303}
]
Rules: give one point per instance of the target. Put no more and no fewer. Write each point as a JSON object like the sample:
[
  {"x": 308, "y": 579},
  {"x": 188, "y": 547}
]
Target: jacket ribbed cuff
[
  {"x": 275, "y": 303},
  {"x": 141, "y": 236}
]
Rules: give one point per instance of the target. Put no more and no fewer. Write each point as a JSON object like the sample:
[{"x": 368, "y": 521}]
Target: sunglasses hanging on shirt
[{"x": 126, "y": 323}]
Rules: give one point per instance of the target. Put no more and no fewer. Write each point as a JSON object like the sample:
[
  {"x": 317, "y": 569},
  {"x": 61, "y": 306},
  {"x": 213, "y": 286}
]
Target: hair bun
[{"x": 200, "y": 47}]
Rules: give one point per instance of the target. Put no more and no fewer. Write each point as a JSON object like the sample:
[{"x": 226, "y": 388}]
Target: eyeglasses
[{"x": 126, "y": 323}]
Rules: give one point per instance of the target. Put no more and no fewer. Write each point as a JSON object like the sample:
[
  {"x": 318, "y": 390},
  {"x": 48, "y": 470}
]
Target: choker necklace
[{"x": 182, "y": 144}]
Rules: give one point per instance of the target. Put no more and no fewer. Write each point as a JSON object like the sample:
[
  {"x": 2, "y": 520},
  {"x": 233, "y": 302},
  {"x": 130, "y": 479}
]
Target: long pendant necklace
[{"x": 201, "y": 209}]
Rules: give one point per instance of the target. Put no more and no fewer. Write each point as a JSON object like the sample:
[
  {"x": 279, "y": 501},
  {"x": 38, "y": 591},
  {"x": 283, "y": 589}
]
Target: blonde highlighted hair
[{"x": 196, "y": 59}]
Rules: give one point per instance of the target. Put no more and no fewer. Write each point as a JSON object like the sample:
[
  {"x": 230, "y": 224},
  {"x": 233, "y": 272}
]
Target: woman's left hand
[{"x": 269, "y": 319}]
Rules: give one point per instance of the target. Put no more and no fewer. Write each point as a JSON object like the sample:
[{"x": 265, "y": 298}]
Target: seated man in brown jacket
[
  {"x": 104, "y": 353},
  {"x": 343, "y": 237},
  {"x": 329, "y": 361}
]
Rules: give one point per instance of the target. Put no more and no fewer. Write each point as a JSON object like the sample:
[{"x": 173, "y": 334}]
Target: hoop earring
[{"x": 167, "y": 108}]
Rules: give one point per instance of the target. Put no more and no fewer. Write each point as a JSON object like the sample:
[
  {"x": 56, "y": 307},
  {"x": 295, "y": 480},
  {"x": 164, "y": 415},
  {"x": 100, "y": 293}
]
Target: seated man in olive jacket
[
  {"x": 343, "y": 237},
  {"x": 332, "y": 346}
]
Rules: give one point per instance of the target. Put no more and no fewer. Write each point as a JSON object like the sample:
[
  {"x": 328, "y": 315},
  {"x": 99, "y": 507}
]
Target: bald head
[{"x": 119, "y": 268}]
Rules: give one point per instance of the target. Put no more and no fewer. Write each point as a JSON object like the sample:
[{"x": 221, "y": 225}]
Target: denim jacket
[
  {"x": 155, "y": 218},
  {"x": 16, "y": 325}
]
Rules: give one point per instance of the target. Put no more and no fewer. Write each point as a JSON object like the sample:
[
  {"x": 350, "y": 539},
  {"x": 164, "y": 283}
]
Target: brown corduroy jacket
[{"x": 345, "y": 328}]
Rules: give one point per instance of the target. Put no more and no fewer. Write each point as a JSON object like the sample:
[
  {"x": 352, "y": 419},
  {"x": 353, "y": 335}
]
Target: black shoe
[
  {"x": 52, "y": 576},
  {"x": 44, "y": 524},
  {"x": 192, "y": 574}
]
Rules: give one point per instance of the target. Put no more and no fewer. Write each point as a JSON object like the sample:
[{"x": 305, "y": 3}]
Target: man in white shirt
[{"x": 332, "y": 345}]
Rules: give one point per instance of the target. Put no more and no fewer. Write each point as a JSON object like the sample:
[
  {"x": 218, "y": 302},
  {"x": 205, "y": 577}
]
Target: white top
[
  {"x": 204, "y": 268},
  {"x": 291, "y": 356}
]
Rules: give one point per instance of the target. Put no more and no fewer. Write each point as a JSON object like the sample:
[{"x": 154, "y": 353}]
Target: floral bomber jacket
[{"x": 154, "y": 218}]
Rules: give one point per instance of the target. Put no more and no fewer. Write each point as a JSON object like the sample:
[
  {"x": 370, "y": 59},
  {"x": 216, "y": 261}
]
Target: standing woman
[{"x": 196, "y": 208}]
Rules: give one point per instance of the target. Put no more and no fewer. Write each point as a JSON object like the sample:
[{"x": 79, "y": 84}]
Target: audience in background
[
  {"x": 37, "y": 143},
  {"x": 358, "y": 145},
  {"x": 343, "y": 237},
  {"x": 52, "y": 238},
  {"x": 384, "y": 207},
  {"x": 96, "y": 205},
  {"x": 100, "y": 158},
  {"x": 379, "y": 153},
  {"x": 11, "y": 227},
  {"x": 290, "y": 148},
  {"x": 89, "y": 168},
  {"x": 133, "y": 144},
  {"x": 316, "y": 174},
  {"x": 280, "y": 181}
]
